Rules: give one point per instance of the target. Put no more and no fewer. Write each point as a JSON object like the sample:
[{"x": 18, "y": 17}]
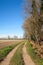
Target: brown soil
[{"x": 4, "y": 43}]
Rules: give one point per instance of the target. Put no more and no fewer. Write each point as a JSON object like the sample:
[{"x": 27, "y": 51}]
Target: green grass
[
  {"x": 34, "y": 57},
  {"x": 4, "y": 51},
  {"x": 17, "y": 58}
]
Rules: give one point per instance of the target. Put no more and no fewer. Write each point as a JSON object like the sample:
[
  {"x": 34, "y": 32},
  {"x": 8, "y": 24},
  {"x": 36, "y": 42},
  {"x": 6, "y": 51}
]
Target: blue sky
[{"x": 11, "y": 18}]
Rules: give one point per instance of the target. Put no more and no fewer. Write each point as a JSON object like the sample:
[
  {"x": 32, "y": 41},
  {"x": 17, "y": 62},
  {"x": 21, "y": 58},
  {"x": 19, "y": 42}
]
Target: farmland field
[{"x": 4, "y": 43}]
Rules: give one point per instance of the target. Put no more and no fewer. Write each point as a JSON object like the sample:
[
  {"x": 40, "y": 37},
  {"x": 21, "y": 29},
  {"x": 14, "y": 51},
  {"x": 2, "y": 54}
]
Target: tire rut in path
[
  {"x": 6, "y": 61},
  {"x": 27, "y": 59}
]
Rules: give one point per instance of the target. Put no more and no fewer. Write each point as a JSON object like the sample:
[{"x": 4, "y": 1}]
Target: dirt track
[{"x": 26, "y": 57}]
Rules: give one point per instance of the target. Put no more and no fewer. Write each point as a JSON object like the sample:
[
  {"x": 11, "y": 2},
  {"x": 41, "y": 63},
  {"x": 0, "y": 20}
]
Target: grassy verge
[
  {"x": 17, "y": 58},
  {"x": 34, "y": 57},
  {"x": 6, "y": 50}
]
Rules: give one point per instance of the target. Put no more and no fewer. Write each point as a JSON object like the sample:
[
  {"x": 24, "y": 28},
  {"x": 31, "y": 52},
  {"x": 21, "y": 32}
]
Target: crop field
[
  {"x": 4, "y": 43},
  {"x": 4, "y": 51}
]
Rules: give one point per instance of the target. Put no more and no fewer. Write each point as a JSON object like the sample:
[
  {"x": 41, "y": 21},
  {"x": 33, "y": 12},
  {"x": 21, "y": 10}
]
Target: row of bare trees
[{"x": 33, "y": 24}]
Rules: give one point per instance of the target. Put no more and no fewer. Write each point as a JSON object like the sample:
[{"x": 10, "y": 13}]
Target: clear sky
[{"x": 11, "y": 18}]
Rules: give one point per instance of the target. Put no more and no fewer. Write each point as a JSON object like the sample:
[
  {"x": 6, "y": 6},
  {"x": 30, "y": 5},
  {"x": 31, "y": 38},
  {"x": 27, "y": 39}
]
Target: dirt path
[
  {"x": 6, "y": 61},
  {"x": 26, "y": 57}
]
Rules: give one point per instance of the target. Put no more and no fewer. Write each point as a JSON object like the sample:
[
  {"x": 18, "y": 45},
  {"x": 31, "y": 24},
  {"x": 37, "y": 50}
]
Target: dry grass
[
  {"x": 38, "y": 49},
  {"x": 34, "y": 56}
]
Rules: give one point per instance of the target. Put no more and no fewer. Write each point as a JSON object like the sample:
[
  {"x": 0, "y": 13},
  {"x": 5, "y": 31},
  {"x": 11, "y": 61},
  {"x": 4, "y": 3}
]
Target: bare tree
[{"x": 32, "y": 25}]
